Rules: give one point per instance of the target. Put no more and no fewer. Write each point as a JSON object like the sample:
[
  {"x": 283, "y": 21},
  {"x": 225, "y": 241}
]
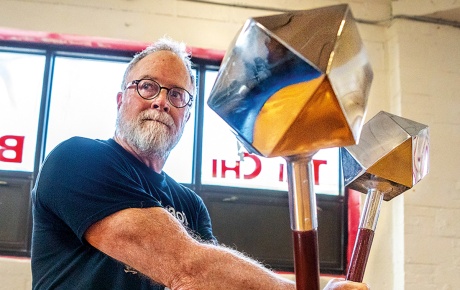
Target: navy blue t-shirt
[{"x": 83, "y": 181}]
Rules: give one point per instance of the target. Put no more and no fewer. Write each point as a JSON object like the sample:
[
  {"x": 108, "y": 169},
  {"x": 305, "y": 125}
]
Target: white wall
[
  {"x": 417, "y": 73},
  {"x": 15, "y": 274},
  {"x": 430, "y": 83}
]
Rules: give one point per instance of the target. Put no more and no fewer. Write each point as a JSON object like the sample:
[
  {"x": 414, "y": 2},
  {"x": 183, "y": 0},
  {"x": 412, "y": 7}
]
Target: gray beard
[{"x": 150, "y": 138}]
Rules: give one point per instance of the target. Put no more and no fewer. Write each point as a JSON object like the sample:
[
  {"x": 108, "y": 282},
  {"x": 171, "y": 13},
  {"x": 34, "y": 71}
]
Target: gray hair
[{"x": 164, "y": 43}]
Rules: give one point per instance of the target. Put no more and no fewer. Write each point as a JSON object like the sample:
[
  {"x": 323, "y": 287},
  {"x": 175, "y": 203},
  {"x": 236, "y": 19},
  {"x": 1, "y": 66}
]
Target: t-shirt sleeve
[
  {"x": 83, "y": 180},
  {"x": 204, "y": 223}
]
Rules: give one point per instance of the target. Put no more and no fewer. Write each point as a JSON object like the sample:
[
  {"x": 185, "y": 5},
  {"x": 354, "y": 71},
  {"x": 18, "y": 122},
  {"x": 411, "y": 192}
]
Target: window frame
[{"x": 203, "y": 60}]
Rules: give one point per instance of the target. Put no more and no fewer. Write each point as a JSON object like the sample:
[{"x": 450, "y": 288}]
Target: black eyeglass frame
[{"x": 136, "y": 82}]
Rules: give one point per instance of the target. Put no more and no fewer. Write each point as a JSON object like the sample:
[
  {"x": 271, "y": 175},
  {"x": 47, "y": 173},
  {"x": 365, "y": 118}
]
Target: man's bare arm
[
  {"x": 342, "y": 284},
  {"x": 154, "y": 243}
]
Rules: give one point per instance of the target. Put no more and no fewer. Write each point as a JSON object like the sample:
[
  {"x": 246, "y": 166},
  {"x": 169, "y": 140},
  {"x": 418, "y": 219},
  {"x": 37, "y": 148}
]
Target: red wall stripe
[{"x": 7, "y": 34}]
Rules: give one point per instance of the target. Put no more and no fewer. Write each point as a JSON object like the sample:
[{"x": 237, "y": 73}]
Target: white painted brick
[
  {"x": 377, "y": 100},
  {"x": 376, "y": 53},
  {"x": 430, "y": 250},
  {"x": 15, "y": 274},
  {"x": 371, "y": 10},
  {"x": 447, "y": 225},
  {"x": 446, "y": 273},
  {"x": 439, "y": 87},
  {"x": 417, "y": 73},
  {"x": 371, "y": 33},
  {"x": 421, "y": 7},
  {"x": 429, "y": 47},
  {"x": 141, "y": 6},
  {"x": 431, "y": 221},
  {"x": 419, "y": 220},
  {"x": 415, "y": 273},
  {"x": 220, "y": 13},
  {"x": 433, "y": 192}
]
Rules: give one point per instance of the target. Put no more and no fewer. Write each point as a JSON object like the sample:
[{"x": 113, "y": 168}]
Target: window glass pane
[
  {"x": 180, "y": 161},
  {"x": 84, "y": 103},
  {"x": 21, "y": 78},
  {"x": 83, "y": 99},
  {"x": 227, "y": 163}
]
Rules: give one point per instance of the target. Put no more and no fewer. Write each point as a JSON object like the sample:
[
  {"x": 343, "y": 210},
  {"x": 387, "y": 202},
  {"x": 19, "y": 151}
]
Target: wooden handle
[
  {"x": 360, "y": 255},
  {"x": 306, "y": 259}
]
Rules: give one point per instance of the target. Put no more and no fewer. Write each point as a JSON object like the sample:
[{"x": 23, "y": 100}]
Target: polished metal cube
[
  {"x": 391, "y": 149},
  {"x": 295, "y": 82}
]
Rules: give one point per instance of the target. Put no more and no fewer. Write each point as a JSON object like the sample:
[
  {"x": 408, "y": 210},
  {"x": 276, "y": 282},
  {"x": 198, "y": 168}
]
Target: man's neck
[{"x": 153, "y": 161}]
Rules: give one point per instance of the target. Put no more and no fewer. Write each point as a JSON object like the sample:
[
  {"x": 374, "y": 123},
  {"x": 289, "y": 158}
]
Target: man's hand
[{"x": 342, "y": 284}]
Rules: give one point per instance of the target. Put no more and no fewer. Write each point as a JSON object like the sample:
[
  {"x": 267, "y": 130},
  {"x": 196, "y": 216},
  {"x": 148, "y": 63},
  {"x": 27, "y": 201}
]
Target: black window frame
[{"x": 207, "y": 192}]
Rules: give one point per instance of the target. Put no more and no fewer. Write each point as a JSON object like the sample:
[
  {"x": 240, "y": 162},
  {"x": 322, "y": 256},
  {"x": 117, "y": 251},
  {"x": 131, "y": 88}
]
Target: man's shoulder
[
  {"x": 78, "y": 141},
  {"x": 77, "y": 144},
  {"x": 79, "y": 149}
]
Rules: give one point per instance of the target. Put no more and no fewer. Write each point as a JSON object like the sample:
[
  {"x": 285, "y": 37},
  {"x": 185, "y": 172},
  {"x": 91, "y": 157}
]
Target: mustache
[{"x": 154, "y": 115}]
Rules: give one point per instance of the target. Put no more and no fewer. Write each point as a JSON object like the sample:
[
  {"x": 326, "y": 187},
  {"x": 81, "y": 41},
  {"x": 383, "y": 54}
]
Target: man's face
[{"x": 154, "y": 126}]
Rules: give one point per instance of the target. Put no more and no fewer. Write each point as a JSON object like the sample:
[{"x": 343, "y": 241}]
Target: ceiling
[{"x": 450, "y": 17}]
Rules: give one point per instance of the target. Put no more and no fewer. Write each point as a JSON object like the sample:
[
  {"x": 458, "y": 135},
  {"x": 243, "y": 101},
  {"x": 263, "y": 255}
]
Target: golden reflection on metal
[
  {"x": 290, "y": 85},
  {"x": 314, "y": 122},
  {"x": 295, "y": 82},
  {"x": 396, "y": 166},
  {"x": 391, "y": 149},
  {"x": 391, "y": 157}
]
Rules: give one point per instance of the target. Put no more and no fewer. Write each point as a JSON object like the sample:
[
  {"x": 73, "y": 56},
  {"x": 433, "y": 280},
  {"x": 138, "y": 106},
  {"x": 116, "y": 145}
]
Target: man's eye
[
  {"x": 147, "y": 86},
  {"x": 175, "y": 94}
]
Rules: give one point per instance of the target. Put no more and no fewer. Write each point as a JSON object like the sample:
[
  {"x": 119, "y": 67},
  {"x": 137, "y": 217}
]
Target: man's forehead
[
  {"x": 164, "y": 58},
  {"x": 161, "y": 57}
]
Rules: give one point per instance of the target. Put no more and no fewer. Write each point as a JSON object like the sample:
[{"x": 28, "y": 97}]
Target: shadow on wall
[{"x": 15, "y": 274}]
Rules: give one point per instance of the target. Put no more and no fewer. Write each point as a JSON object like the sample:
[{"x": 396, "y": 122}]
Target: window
[
  {"x": 21, "y": 78},
  {"x": 69, "y": 91},
  {"x": 83, "y": 99},
  {"x": 21, "y": 81},
  {"x": 83, "y": 103}
]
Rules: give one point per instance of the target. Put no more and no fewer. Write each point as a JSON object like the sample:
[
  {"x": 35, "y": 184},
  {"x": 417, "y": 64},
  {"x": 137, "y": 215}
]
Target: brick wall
[
  {"x": 430, "y": 83},
  {"x": 417, "y": 73}
]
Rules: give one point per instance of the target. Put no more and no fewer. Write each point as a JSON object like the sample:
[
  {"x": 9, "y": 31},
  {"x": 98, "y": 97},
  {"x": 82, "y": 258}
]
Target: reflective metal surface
[
  {"x": 302, "y": 197},
  {"x": 391, "y": 149},
  {"x": 290, "y": 85},
  {"x": 371, "y": 209},
  {"x": 295, "y": 82}
]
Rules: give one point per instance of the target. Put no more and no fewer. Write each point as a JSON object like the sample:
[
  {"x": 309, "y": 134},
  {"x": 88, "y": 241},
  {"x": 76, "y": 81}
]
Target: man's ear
[
  {"x": 188, "y": 115},
  {"x": 119, "y": 99}
]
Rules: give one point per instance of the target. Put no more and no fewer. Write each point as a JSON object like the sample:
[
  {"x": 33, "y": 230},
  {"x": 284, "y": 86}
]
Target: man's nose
[{"x": 161, "y": 101}]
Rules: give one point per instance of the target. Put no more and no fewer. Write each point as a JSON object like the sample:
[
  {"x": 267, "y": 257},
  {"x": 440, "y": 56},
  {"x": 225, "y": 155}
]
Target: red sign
[
  {"x": 11, "y": 148},
  {"x": 224, "y": 168}
]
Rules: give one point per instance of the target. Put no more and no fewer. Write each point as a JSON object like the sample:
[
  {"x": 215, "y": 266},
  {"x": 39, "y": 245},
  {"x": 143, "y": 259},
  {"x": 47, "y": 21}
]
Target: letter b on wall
[{"x": 11, "y": 148}]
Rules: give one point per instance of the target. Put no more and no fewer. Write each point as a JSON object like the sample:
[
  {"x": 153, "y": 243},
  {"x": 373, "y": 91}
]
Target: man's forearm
[
  {"x": 218, "y": 267},
  {"x": 154, "y": 243}
]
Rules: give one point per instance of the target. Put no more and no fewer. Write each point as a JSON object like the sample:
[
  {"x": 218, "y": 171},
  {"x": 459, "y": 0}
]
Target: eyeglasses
[{"x": 149, "y": 89}]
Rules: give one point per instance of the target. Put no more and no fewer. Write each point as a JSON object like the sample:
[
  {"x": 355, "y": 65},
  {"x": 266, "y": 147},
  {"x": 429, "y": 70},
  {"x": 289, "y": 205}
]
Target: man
[{"x": 102, "y": 209}]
